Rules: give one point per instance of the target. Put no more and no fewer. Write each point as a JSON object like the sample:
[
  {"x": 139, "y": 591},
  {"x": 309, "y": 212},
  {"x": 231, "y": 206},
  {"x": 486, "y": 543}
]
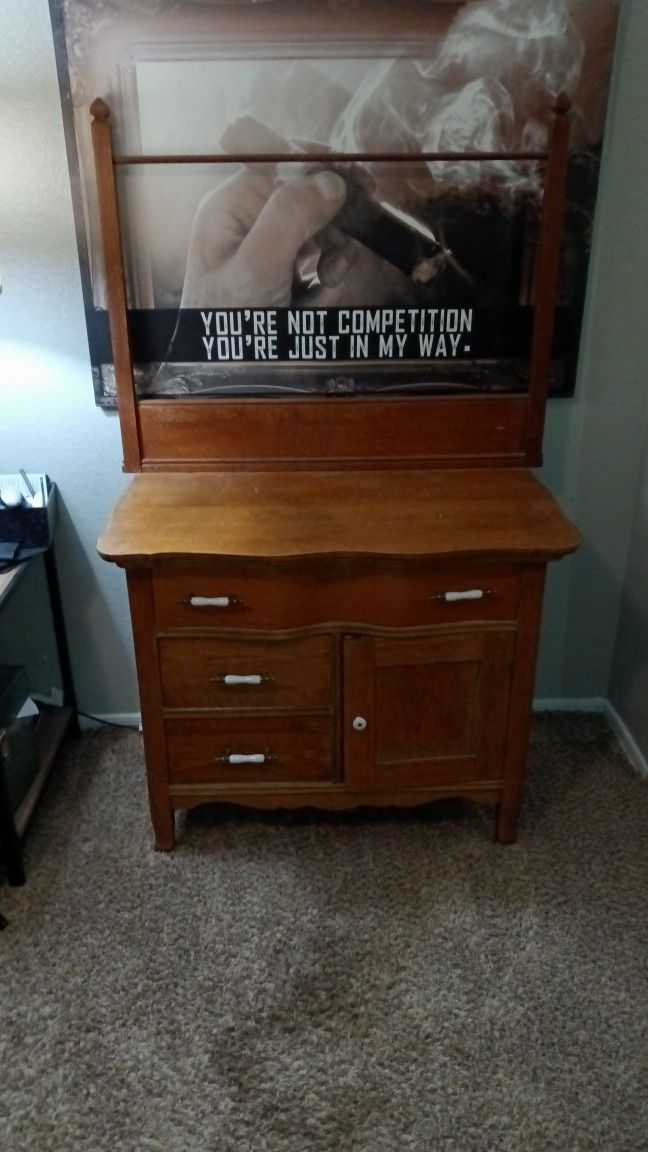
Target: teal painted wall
[{"x": 595, "y": 442}]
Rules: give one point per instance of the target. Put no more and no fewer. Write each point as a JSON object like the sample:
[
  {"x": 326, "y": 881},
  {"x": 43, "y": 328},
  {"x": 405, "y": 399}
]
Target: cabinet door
[{"x": 427, "y": 710}]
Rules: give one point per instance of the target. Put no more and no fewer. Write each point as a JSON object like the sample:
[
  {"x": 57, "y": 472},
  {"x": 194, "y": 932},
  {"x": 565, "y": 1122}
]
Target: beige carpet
[{"x": 345, "y": 984}]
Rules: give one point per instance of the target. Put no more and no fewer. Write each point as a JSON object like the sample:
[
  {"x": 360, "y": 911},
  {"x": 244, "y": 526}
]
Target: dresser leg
[
  {"x": 506, "y": 824},
  {"x": 164, "y": 829}
]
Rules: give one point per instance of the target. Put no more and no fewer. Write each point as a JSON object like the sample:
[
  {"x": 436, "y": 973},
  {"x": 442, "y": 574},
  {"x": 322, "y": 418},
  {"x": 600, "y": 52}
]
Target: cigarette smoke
[{"x": 488, "y": 87}]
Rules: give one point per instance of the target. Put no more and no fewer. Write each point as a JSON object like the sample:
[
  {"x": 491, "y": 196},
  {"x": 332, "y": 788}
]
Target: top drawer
[{"x": 398, "y": 596}]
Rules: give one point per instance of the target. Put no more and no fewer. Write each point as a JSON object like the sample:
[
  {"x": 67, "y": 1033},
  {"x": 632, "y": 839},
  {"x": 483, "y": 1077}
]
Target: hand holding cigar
[
  {"x": 391, "y": 234},
  {"x": 249, "y": 236}
]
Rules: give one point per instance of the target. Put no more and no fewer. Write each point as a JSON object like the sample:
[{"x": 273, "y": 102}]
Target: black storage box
[{"x": 30, "y": 528}]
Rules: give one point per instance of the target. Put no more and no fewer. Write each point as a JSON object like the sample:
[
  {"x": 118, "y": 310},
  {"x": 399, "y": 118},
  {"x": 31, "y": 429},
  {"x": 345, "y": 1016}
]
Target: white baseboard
[
  {"x": 571, "y": 704},
  {"x": 120, "y": 719},
  {"x": 626, "y": 740}
]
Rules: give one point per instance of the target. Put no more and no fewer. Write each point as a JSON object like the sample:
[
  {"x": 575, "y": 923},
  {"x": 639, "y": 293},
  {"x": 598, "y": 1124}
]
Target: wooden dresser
[
  {"x": 335, "y": 638},
  {"x": 336, "y": 600}
]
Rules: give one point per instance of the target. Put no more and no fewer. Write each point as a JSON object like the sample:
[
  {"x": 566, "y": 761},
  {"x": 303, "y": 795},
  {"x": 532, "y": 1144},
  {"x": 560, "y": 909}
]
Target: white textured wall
[
  {"x": 628, "y": 689},
  {"x": 628, "y": 686},
  {"x": 49, "y": 421},
  {"x": 594, "y": 445}
]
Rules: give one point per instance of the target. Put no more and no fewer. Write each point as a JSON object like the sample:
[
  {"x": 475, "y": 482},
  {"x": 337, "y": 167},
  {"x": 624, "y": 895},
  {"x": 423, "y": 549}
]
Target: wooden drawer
[
  {"x": 221, "y": 673},
  {"x": 291, "y": 597},
  {"x": 296, "y": 748}
]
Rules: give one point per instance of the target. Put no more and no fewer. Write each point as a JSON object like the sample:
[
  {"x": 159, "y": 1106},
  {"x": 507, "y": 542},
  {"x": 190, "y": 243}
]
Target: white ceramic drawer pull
[
  {"x": 239, "y": 758},
  {"x": 470, "y": 594},
  {"x": 210, "y": 601},
  {"x": 231, "y": 680}
]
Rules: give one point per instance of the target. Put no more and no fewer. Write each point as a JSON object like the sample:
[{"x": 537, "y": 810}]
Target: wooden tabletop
[{"x": 275, "y": 515}]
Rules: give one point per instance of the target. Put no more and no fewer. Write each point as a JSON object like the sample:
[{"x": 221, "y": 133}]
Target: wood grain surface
[{"x": 275, "y": 515}]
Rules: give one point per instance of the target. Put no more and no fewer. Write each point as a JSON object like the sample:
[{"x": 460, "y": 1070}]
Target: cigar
[{"x": 390, "y": 233}]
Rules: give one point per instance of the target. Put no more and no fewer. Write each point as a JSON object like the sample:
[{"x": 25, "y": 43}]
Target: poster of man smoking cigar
[{"x": 301, "y": 275}]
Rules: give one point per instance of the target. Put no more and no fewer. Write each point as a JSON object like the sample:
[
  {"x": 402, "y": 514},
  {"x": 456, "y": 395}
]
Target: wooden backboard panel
[
  {"x": 216, "y": 433},
  {"x": 329, "y": 433}
]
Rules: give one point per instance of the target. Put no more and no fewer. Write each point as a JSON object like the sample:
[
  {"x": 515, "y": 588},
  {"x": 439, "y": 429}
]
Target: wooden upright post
[
  {"x": 115, "y": 284},
  {"x": 547, "y": 277}
]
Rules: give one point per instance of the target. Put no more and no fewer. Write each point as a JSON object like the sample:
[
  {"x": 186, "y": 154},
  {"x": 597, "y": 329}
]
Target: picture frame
[{"x": 339, "y": 71}]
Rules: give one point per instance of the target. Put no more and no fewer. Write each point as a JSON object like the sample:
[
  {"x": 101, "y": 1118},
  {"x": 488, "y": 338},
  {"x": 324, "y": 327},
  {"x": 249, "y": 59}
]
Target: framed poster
[{"x": 294, "y": 277}]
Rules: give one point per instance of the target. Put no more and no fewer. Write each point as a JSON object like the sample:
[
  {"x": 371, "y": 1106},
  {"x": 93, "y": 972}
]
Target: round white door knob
[{"x": 359, "y": 723}]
